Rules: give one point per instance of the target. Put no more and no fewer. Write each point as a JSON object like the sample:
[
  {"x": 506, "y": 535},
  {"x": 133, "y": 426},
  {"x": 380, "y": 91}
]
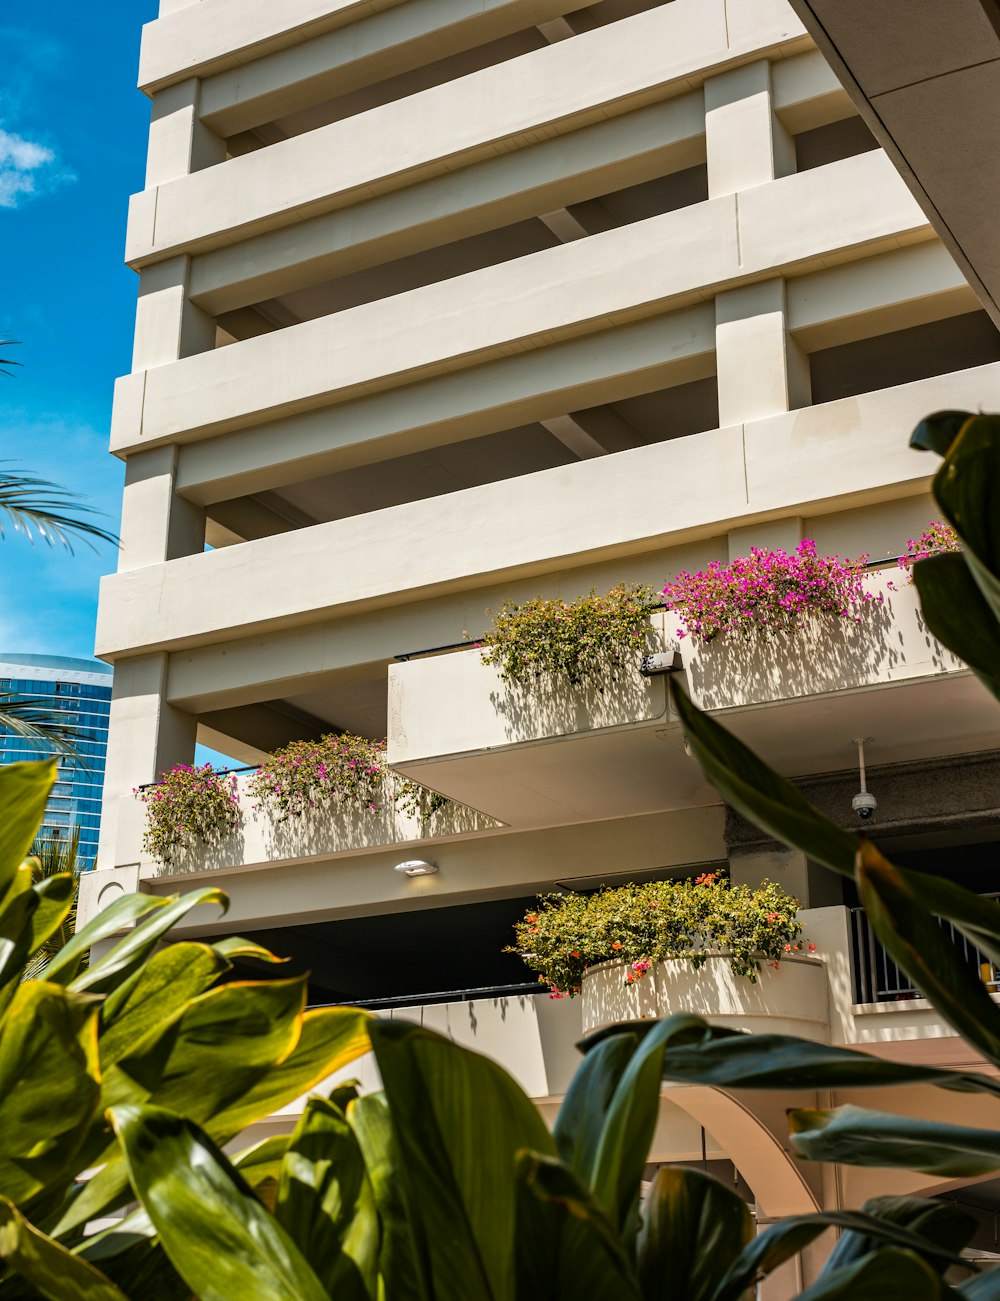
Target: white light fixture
[{"x": 416, "y": 867}]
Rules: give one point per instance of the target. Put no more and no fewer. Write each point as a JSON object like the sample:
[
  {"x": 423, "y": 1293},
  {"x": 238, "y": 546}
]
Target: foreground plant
[
  {"x": 767, "y": 593},
  {"x": 589, "y": 639},
  {"x": 640, "y": 925},
  {"x": 188, "y": 806}
]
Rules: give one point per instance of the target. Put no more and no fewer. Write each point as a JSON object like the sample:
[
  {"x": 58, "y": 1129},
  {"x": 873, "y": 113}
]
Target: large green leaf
[
  {"x": 56, "y": 1273},
  {"x": 939, "y": 1231},
  {"x": 326, "y": 1204},
  {"x": 130, "y": 1255},
  {"x": 49, "y": 1086},
  {"x": 927, "y": 954},
  {"x": 214, "y": 1051},
  {"x": 936, "y": 433},
  {"x": 459, "y": 1120},
  {"x": 758, "y": 792},
  {"x": 154, "y": 994},
  {"x": 17, "y": 908},
  {"x": 330, "y": 1039},
  {"x": 218, "y": 1236},
  {"x": 967, "y": 488},
  {"x": 55, "y": 899},
  {"x": 580, "y": 1122},
  {"x": 623, "y": 1149},
  {"x": 959, "y": 616},
  {"x": 887, "y": 1273},
  {"x": 693, "y": 1228},
  {"x": 856, "y": 1136},
  {"x": 565, "y": 1244},
  {"x": 24, "y": 793},
  {"x": 370, "y": 1120},
  {"x": 123, "y": 912},
  {"x": 133, "y": 949}
]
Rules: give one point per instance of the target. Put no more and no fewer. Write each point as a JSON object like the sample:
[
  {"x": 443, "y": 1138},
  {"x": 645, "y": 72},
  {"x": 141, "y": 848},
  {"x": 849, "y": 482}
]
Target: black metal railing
[
  {"x": 440, "y": 996},
  {"x": 877, "y": 979}
]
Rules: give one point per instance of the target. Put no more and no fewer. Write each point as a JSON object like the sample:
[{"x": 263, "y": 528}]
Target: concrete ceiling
[{"x": 925, "y": 75}]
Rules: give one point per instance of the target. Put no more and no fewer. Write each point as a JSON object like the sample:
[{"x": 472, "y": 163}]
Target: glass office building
[{"x": 82, "y": 689}]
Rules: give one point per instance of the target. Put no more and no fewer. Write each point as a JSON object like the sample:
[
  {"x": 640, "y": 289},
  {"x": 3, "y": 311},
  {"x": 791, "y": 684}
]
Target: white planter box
[{"x": 790, "y": 1000}]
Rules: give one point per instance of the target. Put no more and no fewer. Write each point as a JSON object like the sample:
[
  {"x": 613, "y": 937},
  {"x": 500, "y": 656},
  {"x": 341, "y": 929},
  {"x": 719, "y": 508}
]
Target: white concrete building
[{"x": 442, "y": 304}]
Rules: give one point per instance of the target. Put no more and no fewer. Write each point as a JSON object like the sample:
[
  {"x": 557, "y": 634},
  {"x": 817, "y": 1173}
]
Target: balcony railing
[{"x": 877, "y": 978}]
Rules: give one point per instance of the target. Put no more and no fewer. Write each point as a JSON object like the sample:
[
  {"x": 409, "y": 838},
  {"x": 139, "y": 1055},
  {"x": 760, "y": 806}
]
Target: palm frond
[
  {"x": 7, "y": 361},
  {"x": 45, "y": 725},
  {"x": 53, "y": 855},
  {"x": 38, "y": 507}
]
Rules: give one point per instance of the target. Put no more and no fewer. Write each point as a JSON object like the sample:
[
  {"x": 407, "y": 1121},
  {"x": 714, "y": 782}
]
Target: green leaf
[
  {"x": 123, "y": 912},
  {"x": 234, "y": 946},
  {"x": 326, "y": 1204},
  {"x": 129, "y": 1254},
  {"x": 55, "y": 899},
  {"x": 967, "y": 488},
  {"x": 459, "y": 1120},
  {"x": 56, "y": 1273},
  {"x": 565, "y": 1244},
  {"x": 927, "y": 954},
  {"x": 693, "y": 1228},
  {"x": 578, "y": 1126},
  {"x": 887, "y": 1273},
  {"x": 856, "y": 1136},
  {"x": 370, "y": 1120},
  {"x": 24, "y": 793},
  {"x": 623, "y": 1149},
  {"x": 936, "y": 433},
  {"x": 260, "y": 1166},
  {"x": 132, "y": 951},
  {"x": 758, "y": 792},
  {"x": 219, "y": 1238},
  {"x": 49, "y": 1086},
  {"x": 330, "y": 1039},
  {"x": 939, "y": 1231},
  {"x": 151, "y": 997},
  {"x": 730, "y": 1059},
  {"x": 959, "y": 616},
  {"x": 17, "y": 908}
]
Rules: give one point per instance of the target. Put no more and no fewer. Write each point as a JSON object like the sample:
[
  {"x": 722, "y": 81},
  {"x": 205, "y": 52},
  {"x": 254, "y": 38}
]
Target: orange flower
[
  {"x": 616, "y": 945},
  {"x": 574, "y": 954},
  {"x": 531, "y": 917}
]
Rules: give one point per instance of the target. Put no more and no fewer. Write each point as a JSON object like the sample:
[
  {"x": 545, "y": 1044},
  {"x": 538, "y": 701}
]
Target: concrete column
[
  {"x": 762, "y": 371},
  {"x": 167, "y": 324},
  {"x": 157, "y": 523},
  {"x": 745, "y": 143},
  {"x": 178, "y": 141},
  {"x": 146, "y": 736}
]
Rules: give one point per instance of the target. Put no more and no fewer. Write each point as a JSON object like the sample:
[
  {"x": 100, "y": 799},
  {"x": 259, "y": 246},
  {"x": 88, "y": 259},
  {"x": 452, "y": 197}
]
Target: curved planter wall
[{"x": 791, "y": 1000}]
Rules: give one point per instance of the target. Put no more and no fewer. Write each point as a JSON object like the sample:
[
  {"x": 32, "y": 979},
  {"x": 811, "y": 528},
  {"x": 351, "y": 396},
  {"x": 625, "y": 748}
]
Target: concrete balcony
[
  {"x": 330, "y": 831},
  {"x": 549, "y": 753}
]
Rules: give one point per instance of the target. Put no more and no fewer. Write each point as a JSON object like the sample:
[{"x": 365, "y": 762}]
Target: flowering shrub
[
  {"x": 187, "y": 804},
  {"x": 767, "y": 592},
  {"x": 937, "y": 536},
  {"x": 586, "y": 638},
  {"x": 306, "y": 773},
  {"x": 643, "y": 924}
]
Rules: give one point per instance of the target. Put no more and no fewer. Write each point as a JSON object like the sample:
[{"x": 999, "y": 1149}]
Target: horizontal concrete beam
[
  {"x": 554, "y": 90},
  {"x": 610, "y": 154},
  {"x": 852, "y": 451},
  {"x": 792, "y": 224},
  {"x": 372, "y": 49}
]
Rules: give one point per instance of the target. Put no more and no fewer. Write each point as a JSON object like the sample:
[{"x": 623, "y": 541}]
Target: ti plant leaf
[
  {"x": 758, "y": 792},
  {"x": 565, "y": 1244},
  {"x": 580, "y": 1122},
  {"x": 692, "y": 1228},
  {"x": 887, "y": 1273},
  {"x": 218, "y": 1236},
  {"x": 936, "y": 433},
  {"x": 369, "y": 1117},
  {"x": 967, "y": 488},
  {"x": 856, "y": 1136},
  {"x": 938, "y": 1230},
  {"x": 959, "y": 616},
  {"x": 24, "y": 793},
  {"x": 55, "y": 1272}
]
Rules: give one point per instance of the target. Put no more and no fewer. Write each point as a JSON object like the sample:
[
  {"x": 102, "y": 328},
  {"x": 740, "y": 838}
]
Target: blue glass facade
[{"x": 82, "y": 690}]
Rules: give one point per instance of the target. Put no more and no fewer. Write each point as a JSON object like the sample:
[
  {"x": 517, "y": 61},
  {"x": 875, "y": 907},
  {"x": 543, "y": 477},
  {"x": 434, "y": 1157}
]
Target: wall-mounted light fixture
[
  {"x": 668, "y": 661},
  {"x": 416, "y": 867}
]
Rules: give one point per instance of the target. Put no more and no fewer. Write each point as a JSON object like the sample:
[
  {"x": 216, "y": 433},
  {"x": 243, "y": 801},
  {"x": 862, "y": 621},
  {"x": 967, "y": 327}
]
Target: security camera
[{"x": 864, "y": 805}]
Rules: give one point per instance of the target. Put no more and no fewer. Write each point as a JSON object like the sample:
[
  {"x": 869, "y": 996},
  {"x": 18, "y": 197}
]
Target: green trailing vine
[
  {"x": 590, "y": 639},
  {"x": 640, "y": 925},
  {"x": 187, "y": 805}
]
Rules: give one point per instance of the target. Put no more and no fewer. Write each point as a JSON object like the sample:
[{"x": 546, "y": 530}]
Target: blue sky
[{"x": 72, "y": 149}]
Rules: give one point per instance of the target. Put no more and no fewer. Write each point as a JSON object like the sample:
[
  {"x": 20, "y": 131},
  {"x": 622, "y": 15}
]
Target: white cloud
[{"x": 26, "y": 168}]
